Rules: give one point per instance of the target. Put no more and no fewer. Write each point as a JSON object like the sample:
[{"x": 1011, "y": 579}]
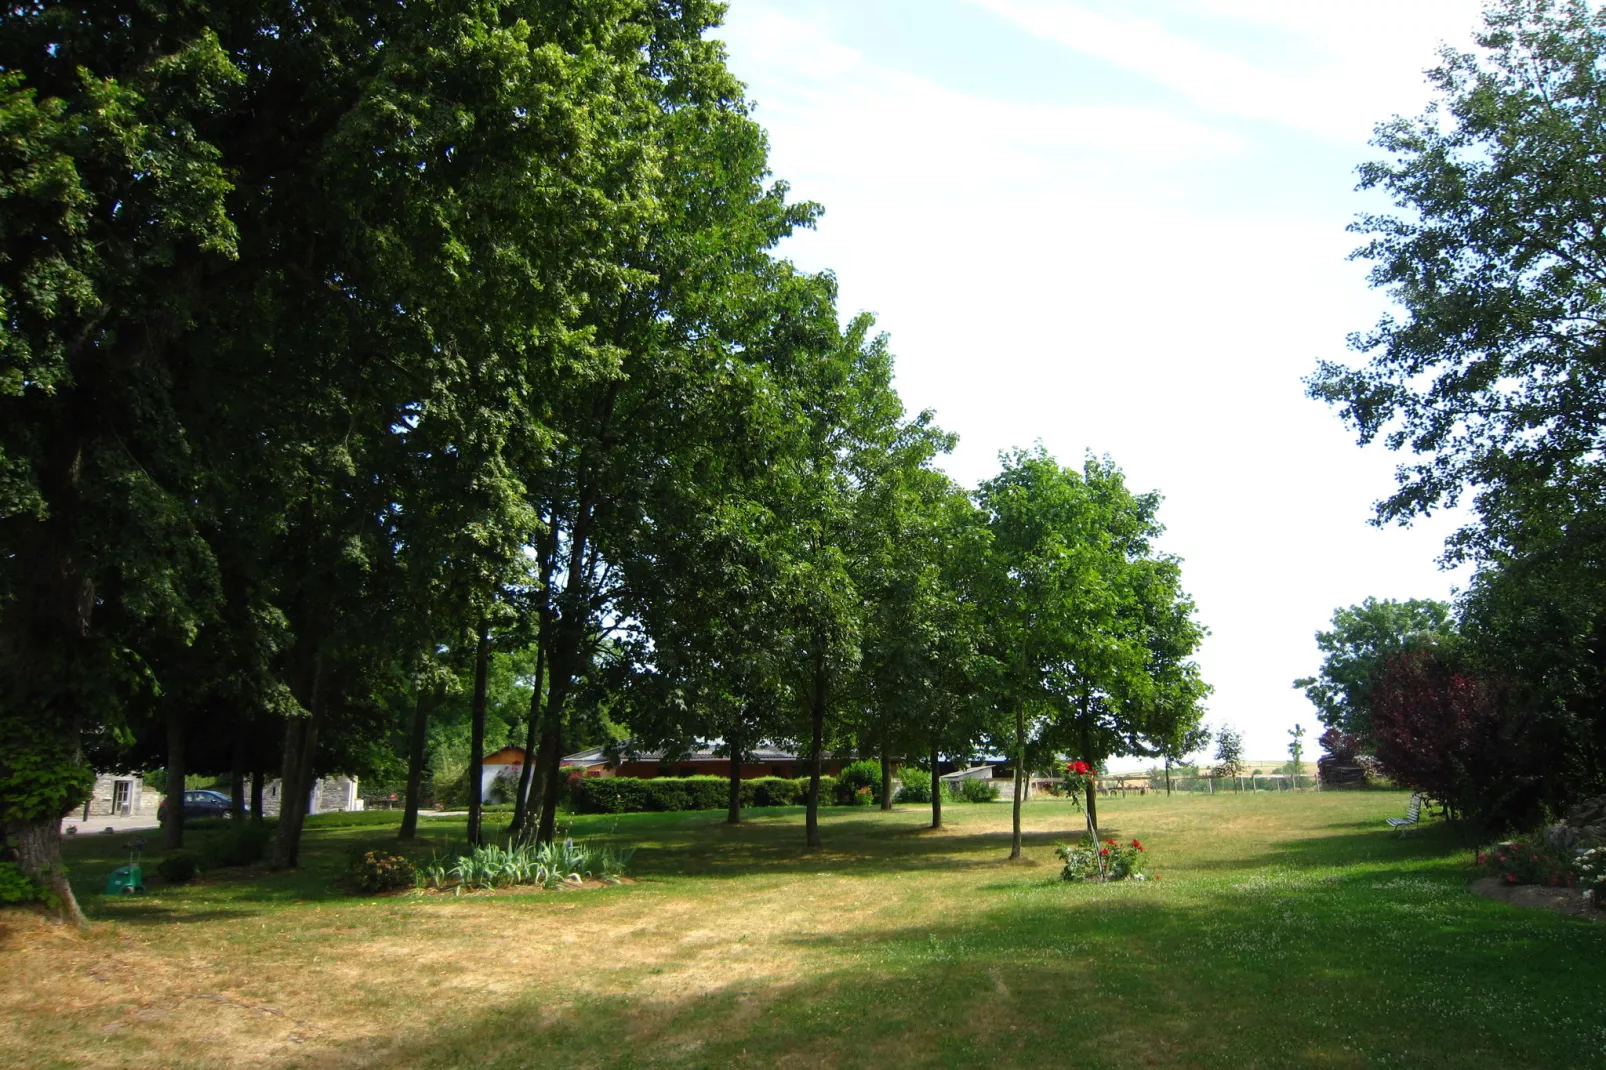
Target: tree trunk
[
  {"x": 886, "y": 776},
  {"x": 551, "y": 781},
  {"x": 936, "y": 790},
  {"x": 415, "y": 765},
  {"x": 300, "y": 746},
  {"x": 521, "y": 802},
  {"x": 548, "y": 746},
  {"x": 1093, "y": 777},
  {"x": 173, "y": 822},
  {"x": 257, "y": 778},
  {"x": 476, "y": 742},
  {"x": 37, "y": 842},
  {"x": 1168, "y": 775},
  {"x": 733, "y": 813},
  {"x": 237, "y": 774},
  {"x": 292, "y": 802},
  {"x": 1020, "y": 774},
  {"x": 811, "y": 820}
]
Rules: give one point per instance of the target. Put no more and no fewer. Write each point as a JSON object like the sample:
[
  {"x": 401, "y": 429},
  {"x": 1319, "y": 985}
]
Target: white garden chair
[{"x": 1413, "y": 814}]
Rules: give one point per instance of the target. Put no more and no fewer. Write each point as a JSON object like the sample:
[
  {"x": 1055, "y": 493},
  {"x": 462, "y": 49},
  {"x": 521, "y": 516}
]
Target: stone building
[
  {"x": 333, "y": 793},
  {"x": 120, "y": 795}
]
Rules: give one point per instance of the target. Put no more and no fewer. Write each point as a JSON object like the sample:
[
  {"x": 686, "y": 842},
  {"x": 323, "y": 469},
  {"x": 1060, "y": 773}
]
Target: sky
[{"x": 1120, "y": 227}]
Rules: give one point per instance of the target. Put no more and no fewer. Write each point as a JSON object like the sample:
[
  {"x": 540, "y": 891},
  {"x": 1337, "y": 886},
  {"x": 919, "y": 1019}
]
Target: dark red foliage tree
[{"x": 1440, "y": 728}]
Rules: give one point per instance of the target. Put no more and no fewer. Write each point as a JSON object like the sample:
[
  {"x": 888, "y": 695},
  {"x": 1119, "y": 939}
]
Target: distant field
[{"x": 1284, "y": 931}]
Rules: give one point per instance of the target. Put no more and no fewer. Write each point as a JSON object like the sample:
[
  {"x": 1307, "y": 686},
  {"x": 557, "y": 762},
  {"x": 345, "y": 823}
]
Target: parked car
[{"x": 199, "y": 802}]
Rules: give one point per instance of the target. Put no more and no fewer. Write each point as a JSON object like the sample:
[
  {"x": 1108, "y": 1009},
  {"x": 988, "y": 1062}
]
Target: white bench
[{"x": 1413, "y": 814}]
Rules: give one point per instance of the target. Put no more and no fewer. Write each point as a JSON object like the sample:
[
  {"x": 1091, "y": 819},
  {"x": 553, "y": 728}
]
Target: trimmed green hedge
[{"x": 625, "y": 795}]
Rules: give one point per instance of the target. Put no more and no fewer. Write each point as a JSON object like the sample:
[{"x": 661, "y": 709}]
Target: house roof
[
  {"x": 703, "y": 752},
  {"x": 505, "y": 756}
]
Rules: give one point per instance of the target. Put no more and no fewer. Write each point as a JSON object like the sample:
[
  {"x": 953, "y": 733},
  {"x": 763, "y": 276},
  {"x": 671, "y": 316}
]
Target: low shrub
[
  {"x": 1530, "y": 861},
  {"x": 774, "y": 791},
  {"x": 379, "y": 871},
  {"x": 180, "y": 867},
  {"x": 916, "y": 786},
  {"x": 244, "y": 844},
  {"x": 976, "y": 791},
  {"x": 1107, "y": 861},
  {"x": 626, "y": 795},
  {"x": 17, "y": 887},
  {"x": 859, "y": 784}
]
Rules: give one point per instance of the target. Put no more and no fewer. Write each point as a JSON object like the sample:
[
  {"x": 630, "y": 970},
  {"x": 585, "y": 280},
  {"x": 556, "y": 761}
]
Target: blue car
[{"x": 199, "y": 802}]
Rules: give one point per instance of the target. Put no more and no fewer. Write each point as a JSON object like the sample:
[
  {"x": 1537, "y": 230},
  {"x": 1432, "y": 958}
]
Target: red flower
[
  {"x": 1079, "y": 767},
  {"x": 1104, "y": 850},
  {"x": 1110, "y": 842},
  {"x": 1512, "y": 877},
  {"x": 1482, "y": 858},
  {"x": 1138, "y": 845}
]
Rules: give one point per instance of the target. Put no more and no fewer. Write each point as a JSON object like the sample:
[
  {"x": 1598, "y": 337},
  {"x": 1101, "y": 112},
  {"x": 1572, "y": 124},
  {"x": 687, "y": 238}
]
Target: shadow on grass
[
  {"x": 145, "y": 912},
  {"x": 1107, "y": 977},
  {"x": 897, "y": 842},
  {"x": 1366, "y": 846}
]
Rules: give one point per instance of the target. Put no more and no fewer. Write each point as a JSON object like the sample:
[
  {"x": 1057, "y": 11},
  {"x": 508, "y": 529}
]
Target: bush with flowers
[
  {"x": 1592, "y": 875},
  {"x": 378, "y": 871},
  {"x": 1530, "y": 861},
  {"x": 1079, "y": 778},
  {"x": 1111, "y": 860}
]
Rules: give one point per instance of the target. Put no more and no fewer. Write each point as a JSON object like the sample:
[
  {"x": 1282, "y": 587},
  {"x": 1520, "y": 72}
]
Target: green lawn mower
[{"x": 129, "y": 879}]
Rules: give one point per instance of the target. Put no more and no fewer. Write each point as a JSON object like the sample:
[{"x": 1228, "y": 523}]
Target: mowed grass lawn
[{"x": 1283, "y": 930}]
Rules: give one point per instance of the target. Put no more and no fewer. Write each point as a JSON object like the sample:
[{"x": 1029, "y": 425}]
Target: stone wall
[{"x": 335, "y": 793}]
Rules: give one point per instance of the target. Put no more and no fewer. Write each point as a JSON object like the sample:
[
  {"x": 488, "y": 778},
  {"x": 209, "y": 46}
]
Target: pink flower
[{"x": 1512, "y": 877}]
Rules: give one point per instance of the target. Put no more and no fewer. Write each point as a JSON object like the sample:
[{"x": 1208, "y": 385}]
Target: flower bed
[
  {"x": 1530, "y": 861},
  {"x": 1107, "y": 861}
]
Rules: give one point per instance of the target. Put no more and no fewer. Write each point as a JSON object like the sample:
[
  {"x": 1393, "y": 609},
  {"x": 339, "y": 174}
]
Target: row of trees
[
  {"x": 1490, "y": 378},
  {"x": 349, "y": 350}
]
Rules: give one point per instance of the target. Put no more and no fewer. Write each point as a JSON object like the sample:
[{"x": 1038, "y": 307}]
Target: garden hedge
[{"x": 624, "y": 795}]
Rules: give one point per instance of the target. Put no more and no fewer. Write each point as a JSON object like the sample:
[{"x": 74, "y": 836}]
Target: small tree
[
  {"x": 1229, "y": 751},
  {"x": 1296, "y": 749}
]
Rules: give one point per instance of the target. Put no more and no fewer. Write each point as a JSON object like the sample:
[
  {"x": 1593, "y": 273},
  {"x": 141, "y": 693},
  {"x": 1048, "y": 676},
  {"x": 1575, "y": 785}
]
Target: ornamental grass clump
[
  {"x": 544, "y": 865},
  {"x": 1090, "y": 860}
]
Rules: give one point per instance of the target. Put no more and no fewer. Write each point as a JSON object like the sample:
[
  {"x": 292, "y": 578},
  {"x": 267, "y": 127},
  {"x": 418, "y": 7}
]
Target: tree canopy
[{"x": 382, "y": 383}]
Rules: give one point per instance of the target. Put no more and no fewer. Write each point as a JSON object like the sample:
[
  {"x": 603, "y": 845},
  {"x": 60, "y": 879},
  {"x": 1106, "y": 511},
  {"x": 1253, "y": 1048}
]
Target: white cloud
[
  {"x": 852, "y": 120},
  {"x": 1125, "y": 277},
  {"x": 1339, "y": 69}
]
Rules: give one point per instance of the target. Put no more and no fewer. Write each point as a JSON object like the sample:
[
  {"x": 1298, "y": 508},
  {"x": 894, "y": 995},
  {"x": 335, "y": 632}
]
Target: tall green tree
[
  {"x": 1356, "y": 650},
  {"x": 115, "y": 209},
  {"x": 1492, "y": 371},
  {"x": 899, "y": 575},
  {"x": 1089, "y": 628},
  {"x": 666, "y": 332}
]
